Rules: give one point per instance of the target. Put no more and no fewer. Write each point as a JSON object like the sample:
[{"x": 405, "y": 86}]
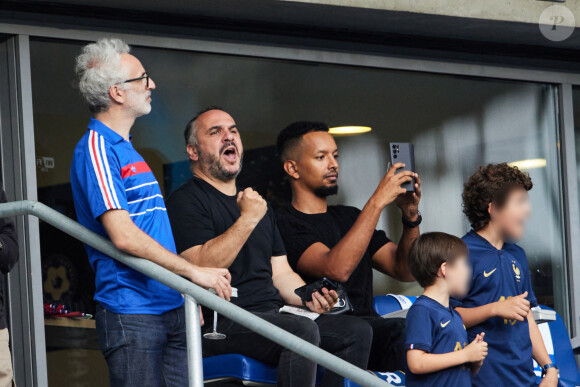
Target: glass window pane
[{"x": 456, "y": 124}]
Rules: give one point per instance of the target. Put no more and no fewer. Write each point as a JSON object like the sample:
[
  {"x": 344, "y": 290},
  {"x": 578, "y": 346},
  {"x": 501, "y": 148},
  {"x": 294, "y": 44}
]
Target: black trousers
[
  {"x": 388, "y": 347},
  {"x": 347, "y": 337}
]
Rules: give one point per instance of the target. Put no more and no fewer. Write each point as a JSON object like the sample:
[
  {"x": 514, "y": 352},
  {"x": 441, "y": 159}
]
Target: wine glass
[{"x": 215, "y": 335}]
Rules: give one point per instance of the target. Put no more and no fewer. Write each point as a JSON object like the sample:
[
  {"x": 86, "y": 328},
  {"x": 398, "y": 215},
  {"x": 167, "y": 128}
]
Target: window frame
[{"x": 21, "y": 33}]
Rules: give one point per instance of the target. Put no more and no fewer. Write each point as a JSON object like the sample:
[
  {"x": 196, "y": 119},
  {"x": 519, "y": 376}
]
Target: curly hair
[
  {"x": 98, "y": 67},
  {"x": 491, "y": 184}
]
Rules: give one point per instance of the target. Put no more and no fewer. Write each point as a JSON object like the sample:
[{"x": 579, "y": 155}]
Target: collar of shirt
[
  {"x": 108, "y": 133},
  {"x": 484, "y": 243}
]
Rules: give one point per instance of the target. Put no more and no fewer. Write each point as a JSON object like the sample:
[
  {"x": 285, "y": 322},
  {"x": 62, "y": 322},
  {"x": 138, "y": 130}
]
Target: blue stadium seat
[
  {"x": 244, "y": 369},
  {"x": 560, "y": 350},
  {"x": 388, "y": 304},
  {"x": 394, "y": 378}
]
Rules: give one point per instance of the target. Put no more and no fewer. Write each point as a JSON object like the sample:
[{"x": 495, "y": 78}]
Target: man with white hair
[{"x": 140, "y": 322}]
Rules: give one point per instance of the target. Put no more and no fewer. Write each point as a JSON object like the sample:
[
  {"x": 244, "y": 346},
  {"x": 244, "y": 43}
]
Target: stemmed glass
[{"x": 215, "y": 335}]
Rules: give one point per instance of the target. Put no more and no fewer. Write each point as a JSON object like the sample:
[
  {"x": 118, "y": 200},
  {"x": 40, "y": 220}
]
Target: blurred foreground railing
[{"x": 193, "y": 295}]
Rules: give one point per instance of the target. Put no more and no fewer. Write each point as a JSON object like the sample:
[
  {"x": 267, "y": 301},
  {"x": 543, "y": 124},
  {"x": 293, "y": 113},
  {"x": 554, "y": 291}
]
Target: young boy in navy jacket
[
  {"x": 499, "y": 301},
  {"x": 437, "y": 350}
]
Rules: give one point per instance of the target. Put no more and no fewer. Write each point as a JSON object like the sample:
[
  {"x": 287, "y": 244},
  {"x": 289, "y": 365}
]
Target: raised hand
[
  {"x": 252, "y": 205},
  {"x": 408, "y": 202},
  {"x": 514, "y": 308},
  {"x": 389, "y": 187}
]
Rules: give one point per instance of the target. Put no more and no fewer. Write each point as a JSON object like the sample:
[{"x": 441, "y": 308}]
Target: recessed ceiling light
[
  {"x": 349, "y": 130},
  {"x": 528, "y": 164}
]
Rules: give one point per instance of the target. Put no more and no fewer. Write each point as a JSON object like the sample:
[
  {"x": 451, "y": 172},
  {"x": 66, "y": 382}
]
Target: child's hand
[
  {"x": 479, "y": 339},
  {"x": 515, "y": 308},
  {"x": 476, "y": 351}
]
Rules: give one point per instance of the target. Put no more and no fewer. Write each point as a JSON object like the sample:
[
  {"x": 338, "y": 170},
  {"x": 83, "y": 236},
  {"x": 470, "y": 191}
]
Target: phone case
[
  {"x": 404, "y": 152},
  {"x": 305, "y": 292}
]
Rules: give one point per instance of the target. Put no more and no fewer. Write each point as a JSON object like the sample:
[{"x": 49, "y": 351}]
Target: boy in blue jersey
[
  {"x": 140, "y": 322},
  {"x": 495, "y": 200},
  {"x": 437, "y": 350}
]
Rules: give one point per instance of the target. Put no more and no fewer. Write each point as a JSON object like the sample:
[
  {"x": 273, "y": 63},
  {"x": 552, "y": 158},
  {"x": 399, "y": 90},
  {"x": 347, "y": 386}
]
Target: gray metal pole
[
  {"x": 202, "y": 296},
  {"x": 193, "y": 329}
]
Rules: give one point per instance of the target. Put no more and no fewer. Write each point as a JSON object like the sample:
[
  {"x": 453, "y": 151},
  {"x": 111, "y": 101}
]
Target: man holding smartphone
[
  {"x": 217, "y": 225},
  {"x": 340, "y": 242}
]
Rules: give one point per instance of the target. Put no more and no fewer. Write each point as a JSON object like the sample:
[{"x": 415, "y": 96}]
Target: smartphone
[
  {"x": 328, "y": 284},
  {"x": 305, "y": 292},
  {"x": 403, "y": 152}
]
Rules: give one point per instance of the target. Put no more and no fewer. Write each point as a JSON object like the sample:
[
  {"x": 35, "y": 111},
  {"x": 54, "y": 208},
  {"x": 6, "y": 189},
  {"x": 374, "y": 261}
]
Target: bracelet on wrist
[
  {"x": 413, "y": 224},
  {"x": 546, "y": 367}
]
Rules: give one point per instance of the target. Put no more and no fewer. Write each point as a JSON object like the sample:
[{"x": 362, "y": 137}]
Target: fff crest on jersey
[{"x": 516, "y": 271}]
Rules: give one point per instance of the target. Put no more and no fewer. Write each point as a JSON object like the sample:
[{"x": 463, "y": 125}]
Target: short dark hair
[
  {"x": 189, "y": 127},
  {"x": 491, "y": 184},
  {"x": 429, "y": 251},
  {"x": 290, "y": 136}
]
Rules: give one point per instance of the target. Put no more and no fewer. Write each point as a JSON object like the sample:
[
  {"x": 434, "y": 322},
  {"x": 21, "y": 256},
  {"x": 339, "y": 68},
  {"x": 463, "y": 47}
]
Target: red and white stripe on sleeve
[{"x": 102, "y": 170}]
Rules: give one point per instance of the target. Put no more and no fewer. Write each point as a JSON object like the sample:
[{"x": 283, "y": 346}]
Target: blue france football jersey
[
  {"x": 435, "y": 329},
  {"x": 498, "y": 275},
  {"x": 107, "y": 173}
]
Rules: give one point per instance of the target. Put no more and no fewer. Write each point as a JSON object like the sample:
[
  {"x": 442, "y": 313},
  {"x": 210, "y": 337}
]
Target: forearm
[
  {"x": 477, "y": 315},
  {"x": 142, "y": 245},
  {"x": 222, "y": 250},
  {"x": 343, "y": 258},
  {"x": 539, "y": 351},
  {"x": 423, "y": 363},
  {"x": 286, "y": 283},
  {"x": 402, "y": 271},
  {"x": 126, "y": 236}
]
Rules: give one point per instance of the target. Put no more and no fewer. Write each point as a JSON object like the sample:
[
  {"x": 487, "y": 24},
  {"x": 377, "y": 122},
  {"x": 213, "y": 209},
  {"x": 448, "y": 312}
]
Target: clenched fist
[
  {"x": 476, "y": 351},
  {"x": 514, "y": 308},
  {"x": 252, "y": 206}
]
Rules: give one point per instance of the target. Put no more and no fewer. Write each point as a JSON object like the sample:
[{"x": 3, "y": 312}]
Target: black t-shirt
[
  {"x": 198, "y": 213},
  {"x": 300, "y": 231}
]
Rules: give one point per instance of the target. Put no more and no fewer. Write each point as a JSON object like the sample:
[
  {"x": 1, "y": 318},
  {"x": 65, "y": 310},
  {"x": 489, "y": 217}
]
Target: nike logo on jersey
[
  {"x": 486, "y": 274},
  {"x": 443, "y": 325}
]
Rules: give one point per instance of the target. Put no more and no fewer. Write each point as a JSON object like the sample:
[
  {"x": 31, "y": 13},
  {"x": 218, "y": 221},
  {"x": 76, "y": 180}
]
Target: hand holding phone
[{"x": 305, "y": 292}]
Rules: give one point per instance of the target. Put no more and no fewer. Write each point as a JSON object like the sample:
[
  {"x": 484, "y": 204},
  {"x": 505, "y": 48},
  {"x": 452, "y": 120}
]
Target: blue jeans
[{"x": 144, "y": 350}]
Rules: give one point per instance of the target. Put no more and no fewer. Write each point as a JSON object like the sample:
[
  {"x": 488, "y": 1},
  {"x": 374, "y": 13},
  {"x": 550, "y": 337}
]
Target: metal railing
[{"x": 193, "y": 294}]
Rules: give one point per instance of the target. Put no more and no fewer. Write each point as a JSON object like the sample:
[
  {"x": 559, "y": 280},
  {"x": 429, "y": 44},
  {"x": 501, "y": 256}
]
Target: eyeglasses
[{"x": 146, "y": 77}]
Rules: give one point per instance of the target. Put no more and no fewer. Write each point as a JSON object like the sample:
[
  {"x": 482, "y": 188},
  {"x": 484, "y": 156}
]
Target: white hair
[{"x": 98, "y": 67}]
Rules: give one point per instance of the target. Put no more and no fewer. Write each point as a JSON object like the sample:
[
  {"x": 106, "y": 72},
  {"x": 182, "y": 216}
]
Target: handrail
[{"x": 192, "y": 294}]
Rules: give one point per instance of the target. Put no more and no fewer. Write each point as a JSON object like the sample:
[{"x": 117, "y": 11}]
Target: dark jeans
[
  {"x": 347, "y": 337},
  {"x": 143, "y": 349},
  {"x": 388, "y": 348}
]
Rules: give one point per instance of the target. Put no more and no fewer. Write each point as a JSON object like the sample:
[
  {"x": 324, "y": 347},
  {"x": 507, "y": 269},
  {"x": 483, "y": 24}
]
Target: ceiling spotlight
[
  {"x": 349, "y": 130},
  {"x": 528, "y": 164}
]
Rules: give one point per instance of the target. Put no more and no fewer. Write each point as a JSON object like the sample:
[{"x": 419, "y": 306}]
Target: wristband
[
  {"x": 409, "y": 224},
  {"x": 546, "y": 367}
]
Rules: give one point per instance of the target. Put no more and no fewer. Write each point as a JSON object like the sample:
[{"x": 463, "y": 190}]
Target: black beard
[
  {"x": 216, "y": 168},
  {"x": 325, "y": 191}
]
